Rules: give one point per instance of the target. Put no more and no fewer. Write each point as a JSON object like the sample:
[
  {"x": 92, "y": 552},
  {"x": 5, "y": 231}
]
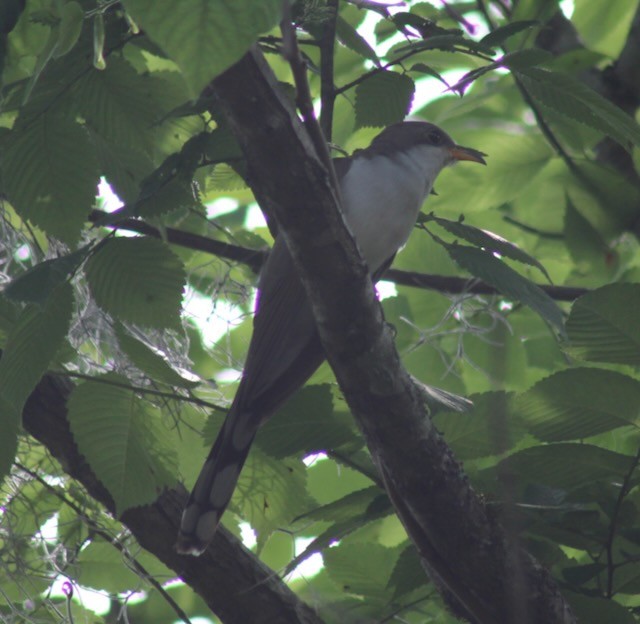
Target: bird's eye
[{"x": 435, "y": 138}]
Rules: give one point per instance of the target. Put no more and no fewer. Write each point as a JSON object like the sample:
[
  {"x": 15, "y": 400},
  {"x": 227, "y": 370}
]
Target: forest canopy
[{"x": 147, "y": 151}]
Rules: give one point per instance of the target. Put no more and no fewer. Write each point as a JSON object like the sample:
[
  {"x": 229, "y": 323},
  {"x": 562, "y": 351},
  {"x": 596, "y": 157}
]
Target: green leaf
[
  {"x": 50, "y": 172},
  {"x": 100, "y": 566},
  {"x": 511, "y": 284},
  {"x": 71, "y": 18},
  {"x": 124, "y": 107},
  {"x": 348, "y": 514},
  {"x": 204, "y": 37},
  {"x": 137, "y": 280},
  {"x": 350, "y": 37},
  {"x": 501, "y": 34},
  {"x": 360, "y": 502},
  {"x": 448, "y": 42},
  {"x": 425, "y": 69},
  {"x": 362, "y": 569},
  {"x": 9, "y": 423},
  {"x": 591, "y": 610},
  {"x": 32, "y": 344},
  {"x": 306, "y": 424},
  {"x": 38, "y": 283},
  {"x": 530, "y": 57},
  {"x": 603, "y": 325},
  {"x": 125, "y": 443},
  {"x": 270, "y": 493},
  {"x": 572, "y": 98},
  {"x": 383, "y": 99},
  {"x": 408, "y": 573},
  {"x": 150, "y": 361},
  {"x": 578, "y": 403},
  {"x": 488, "y": 429},
  {"x": 564, "y": 465},
  {"x": 487, "y": 240},
  {"x": 603, "y": 31},
  {"x": 583, "y": 241}
]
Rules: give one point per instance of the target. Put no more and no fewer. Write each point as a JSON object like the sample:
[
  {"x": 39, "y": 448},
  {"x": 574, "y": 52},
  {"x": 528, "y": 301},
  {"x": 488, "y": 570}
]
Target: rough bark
[{"x": 483, "y": 575}]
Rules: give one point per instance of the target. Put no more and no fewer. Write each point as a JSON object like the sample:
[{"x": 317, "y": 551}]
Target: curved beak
[{"x": 467, "y": 153}]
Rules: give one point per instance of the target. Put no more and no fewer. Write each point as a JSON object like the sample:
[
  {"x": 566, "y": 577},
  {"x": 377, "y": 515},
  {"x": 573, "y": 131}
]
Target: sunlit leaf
[
  {"x": 204, "y": 37},
  {"x": 123, "y": 439},
  {"x": 578, "y": 403},
  {"x": 137, "y": 280},
  {"x": 383, "y": 99},
  {"x": 603, "y": 325}
]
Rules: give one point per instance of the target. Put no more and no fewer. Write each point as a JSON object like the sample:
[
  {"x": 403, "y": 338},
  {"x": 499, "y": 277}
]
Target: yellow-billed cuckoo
[{"x": 382, "y": 188}]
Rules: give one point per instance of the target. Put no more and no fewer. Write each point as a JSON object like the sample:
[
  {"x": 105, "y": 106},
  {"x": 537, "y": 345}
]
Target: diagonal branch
[
  {"x": 232, "y": 581},
  {"x": 472, "y": 563}
]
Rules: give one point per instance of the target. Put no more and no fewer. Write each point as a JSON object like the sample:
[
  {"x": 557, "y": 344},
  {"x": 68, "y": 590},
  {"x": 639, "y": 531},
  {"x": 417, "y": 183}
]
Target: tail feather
[{"x": 216, "y": 483}]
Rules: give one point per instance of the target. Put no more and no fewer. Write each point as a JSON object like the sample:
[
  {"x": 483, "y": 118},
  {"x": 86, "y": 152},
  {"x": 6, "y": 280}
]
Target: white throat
[{"x": 382, "y": 196}]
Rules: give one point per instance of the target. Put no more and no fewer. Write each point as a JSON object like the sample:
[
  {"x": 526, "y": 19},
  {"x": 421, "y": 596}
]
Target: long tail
[{"x": 216, "y": 483}]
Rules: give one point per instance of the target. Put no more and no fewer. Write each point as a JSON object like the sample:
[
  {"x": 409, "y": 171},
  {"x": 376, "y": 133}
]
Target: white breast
[{"x": 382, "y": 196}]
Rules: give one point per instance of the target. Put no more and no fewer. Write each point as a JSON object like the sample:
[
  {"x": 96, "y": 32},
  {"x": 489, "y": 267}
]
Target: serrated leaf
[
  {"x": 270, "y": 493},
  {"x": 350, "y": 37},
  {"x": 38, "y": 283},
  {"x": 226, "y": 178},
  {"x": 511, "y": 284},
  {"x": 150, "y": 361},
  {"x": 50, "y": 172},
  {"x": 487, "y": 429},
  {"x": 489, "y": 241},
  {"x": 306, "y": 424},
  {"x": 137, "y": 280},
  {"x": 362, "y": 569},
  {"x": 123, "y": 166},
  {"x": 408, "y": 573},
  {"x": 174, "y": 195},
  {"x": 204, "y": 37},
  {"x": 383, "y": 99},
  {"x": 499, "y": 35},
  {"x": 565, "y": 465},
  {"x": 119, "y": 104},
  {"x": 125, "y": 443},
  {"x": 578, "y": 403},
  {"x": 32, "y": 344},
  {"x": 603, "y": 325},
  {"x": 572, "y": 98}
]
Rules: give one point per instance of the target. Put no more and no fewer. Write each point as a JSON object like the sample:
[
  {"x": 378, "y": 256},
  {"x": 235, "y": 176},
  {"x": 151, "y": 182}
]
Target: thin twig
[
  {"x": 95, "y": 527},
  {"x": 304, "y": 100},
  {"x": 255, "y": 259},
  {"x": 140, "y": 390},
  {"x": 327, "y": 86}
]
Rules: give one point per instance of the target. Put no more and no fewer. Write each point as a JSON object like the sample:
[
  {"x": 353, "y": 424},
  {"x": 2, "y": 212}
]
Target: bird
[{"x": 382, "y": 188}]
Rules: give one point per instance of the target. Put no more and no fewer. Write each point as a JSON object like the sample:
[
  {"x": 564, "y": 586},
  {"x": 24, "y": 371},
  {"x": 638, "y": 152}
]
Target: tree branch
[
  {"x": 233, "y": 582},
  {"x": 254, "y": 258},
  {"x": 439, "y": 509}
]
